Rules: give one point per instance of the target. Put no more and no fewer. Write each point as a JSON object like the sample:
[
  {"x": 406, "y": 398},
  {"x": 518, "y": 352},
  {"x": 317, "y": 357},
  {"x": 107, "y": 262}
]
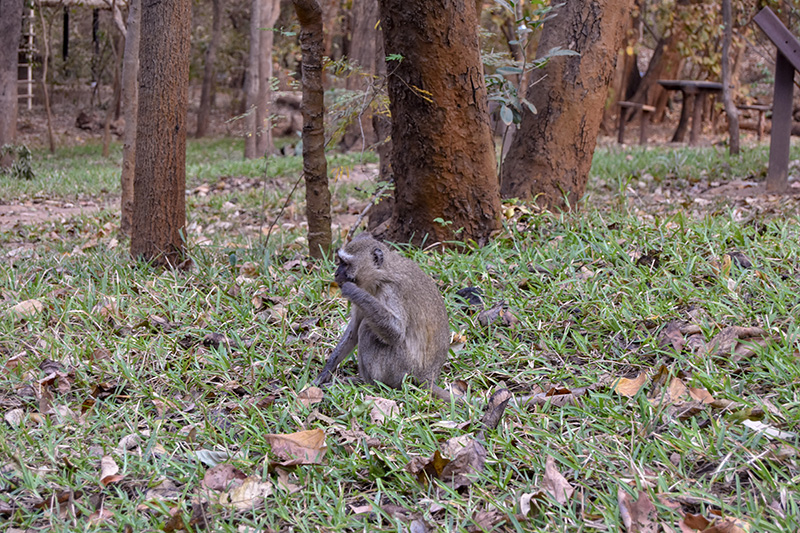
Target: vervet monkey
[{"x": 398, "y": 318}]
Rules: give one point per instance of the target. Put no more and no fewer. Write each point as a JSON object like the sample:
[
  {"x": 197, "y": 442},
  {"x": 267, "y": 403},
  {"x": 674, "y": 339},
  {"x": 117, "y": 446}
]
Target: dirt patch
[{"x": 45, "y": 211}]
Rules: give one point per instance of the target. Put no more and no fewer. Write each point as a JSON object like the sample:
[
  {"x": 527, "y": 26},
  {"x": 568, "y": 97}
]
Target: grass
[{"x": 126, "y": 346}]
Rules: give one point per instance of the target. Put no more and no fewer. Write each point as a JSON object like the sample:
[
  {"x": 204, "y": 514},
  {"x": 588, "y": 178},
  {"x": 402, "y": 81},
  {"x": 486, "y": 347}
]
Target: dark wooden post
[{"x": 786, "y": 62}]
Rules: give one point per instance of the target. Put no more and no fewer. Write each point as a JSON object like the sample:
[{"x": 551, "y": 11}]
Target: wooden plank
[
  {"x": 781, "y": 37},
  {"x": 777, "y": 174}
]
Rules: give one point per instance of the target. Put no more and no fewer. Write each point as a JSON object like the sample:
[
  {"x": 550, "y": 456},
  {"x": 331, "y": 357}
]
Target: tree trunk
[
  {"x": 159, "y": 213},
  {"x": 209, "y": 72},
  {"x": 552, "y": 152},
  {"x": 130, "y": 71},
  {"x": 45, "y": 60},
  {"x": 251, "y": 82},
  {"x": 270, "y": 12},
  {"x": 330, "y": 12},
  {"x": 727, "y": 97},
  {"x": 315, "y": 166},
  {"x": 360, "y": 132},
  {"x": 115, "y": 97},
  {"x": 443, "y": 153},
  {"x": 10, "y": 33}
]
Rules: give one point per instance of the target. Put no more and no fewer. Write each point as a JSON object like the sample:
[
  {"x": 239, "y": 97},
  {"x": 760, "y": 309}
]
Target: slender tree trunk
[
  {"x": 270, "y": 11},
  {"x": 443, "y": 152},
  {"x": 209, "y": 70},
  {"x": 130, "y": 71},
  {"x": 115, "y": 97},
  {"x": 552, "y": 152},
  {"x": 45, "y": 60},
  {"x": 727, "y": 97},
  {"x": 159, "y": 213},
  {"x": 10, "y": 33},
  {"x": 251, "y": 77},
  {"x": 364, "y": 13},
  {"x": 315, "y": 166}
]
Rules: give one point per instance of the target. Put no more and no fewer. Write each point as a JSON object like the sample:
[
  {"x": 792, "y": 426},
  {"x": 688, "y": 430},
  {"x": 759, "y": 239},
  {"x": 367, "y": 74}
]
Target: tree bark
[
  {"x": 10, "y": 33},
  {"x": 727, "y": 97},
  {"x": 159, "y": 213},
  {"x": 115, "y": 96},
  {"x": 315, "y": 166},
  {"x": 550, "y": 157},
  {"x": 130, "y": 71},
  {"x": 443, "y": 153},
  {"x": 270, "y": 11},
  {"x": 364, "y": 13},
  {"x": 45, "y": 60},
  {"x": 251, "y": 78},
  {"x": 209, "y": 70}
]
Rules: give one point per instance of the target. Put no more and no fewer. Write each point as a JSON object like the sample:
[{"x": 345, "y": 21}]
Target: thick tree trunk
[
  {"x": 10, "y": 32},
  {"x": 315, "y": 166},
  {"x": 159, "y": 214},
  {"x": 550, "y": 157},
  {"x": 727, "y": 97},
  {"x": 209, "y": 70},
  {"x": 130, "y": 71},
  {"x": 443, "y": 152},
  {"x": 360, "y": 134},
  {"x": 251, "y": 82},
  {"x": 270, "y": 11}
]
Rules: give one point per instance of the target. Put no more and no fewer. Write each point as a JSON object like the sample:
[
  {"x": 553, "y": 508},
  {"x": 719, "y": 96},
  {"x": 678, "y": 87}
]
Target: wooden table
[{"x": 694, "y": 94}]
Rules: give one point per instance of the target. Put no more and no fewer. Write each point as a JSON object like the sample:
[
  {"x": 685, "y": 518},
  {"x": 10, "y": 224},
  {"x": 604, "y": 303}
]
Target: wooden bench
[
  {"x": 762, "y": 110},
  {"x": 642, "y": 109}
]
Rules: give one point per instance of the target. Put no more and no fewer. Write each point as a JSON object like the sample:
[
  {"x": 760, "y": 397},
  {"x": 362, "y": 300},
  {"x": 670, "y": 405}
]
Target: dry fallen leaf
[
  {"x": 733, "y": 341},
  {"x": 309, "y": 396},
  {"x": 249, "y": 495},
  {"x": 300, "y": 448},
  {"x": 458, "y": 464},
  {"x": 108, "y": 471},
  {"x": 382, "y": 409},
  {"x": 629, "y": 387},
  {"x": 554, "y": 483},
  {"x": 223, "y": 476},
  {"x": 26, "y": 309},
  {"x": 638, "y": 516}
]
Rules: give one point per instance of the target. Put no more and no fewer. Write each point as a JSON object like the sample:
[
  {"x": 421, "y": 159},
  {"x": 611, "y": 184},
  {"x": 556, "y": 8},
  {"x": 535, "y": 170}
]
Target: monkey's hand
[{"x": 349, "y": 289}]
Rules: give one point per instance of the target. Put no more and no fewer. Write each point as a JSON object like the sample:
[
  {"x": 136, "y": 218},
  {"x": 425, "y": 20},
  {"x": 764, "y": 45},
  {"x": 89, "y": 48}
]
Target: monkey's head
[{"x": 361, "y": 262}]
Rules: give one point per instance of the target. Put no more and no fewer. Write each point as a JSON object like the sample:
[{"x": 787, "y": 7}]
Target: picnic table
[{"x": 694, "y": 96}]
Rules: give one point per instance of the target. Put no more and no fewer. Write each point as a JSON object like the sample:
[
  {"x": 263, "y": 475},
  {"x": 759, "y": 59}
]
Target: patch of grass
[{"x": 119, "y": 349}]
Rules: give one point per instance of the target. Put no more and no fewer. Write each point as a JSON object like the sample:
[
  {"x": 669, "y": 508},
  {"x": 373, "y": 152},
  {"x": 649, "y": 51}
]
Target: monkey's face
[
  {"x": 360, "y": 262},
  {"x": 344, "y": 273}
]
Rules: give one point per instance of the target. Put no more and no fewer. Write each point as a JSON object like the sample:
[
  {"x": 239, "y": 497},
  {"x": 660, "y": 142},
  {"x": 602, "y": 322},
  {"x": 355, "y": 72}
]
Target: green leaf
[
  {"x": 530, "y": 106},
  {"x": 506, "y": 115},
  {"x": 558, "y": 51},
  {"x": 509, "y": 70}
]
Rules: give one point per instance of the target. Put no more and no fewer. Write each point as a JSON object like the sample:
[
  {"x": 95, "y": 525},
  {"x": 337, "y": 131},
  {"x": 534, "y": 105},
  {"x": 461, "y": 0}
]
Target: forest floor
[{"x": 654, "y": 333}]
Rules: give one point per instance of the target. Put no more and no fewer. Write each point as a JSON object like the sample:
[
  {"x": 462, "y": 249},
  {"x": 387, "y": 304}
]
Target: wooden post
[{"x": 780, "y": 139}]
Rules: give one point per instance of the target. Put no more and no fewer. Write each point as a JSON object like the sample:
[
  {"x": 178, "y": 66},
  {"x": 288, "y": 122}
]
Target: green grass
[{"x": 587, "y": 316}]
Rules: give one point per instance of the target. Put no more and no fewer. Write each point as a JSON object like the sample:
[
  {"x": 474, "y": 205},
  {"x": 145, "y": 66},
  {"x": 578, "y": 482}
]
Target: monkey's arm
[
  {"x": 344, "y": 348},
  {"x": 388, "y": 326}
]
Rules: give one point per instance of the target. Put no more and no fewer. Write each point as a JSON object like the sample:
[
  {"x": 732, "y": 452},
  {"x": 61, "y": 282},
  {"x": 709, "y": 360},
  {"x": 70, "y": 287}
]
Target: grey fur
[{"x": 398, "y": 318}]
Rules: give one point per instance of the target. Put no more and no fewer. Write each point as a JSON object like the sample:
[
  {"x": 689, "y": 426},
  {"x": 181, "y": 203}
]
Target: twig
[{"x": 367, "y": 209}]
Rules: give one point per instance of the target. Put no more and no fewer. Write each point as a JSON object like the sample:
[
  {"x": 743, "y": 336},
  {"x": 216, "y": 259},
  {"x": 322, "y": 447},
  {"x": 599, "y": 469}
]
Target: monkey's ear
[{"x": 377, "y": 257}]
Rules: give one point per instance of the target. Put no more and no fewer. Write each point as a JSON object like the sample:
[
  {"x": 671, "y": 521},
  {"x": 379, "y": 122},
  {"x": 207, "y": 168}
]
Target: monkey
[{"x": 398, "y": 320}]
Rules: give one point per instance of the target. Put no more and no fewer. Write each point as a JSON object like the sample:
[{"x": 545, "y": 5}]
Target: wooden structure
[
  {"x": 786, "y": 62},
  {"x": 643, "y": 110},
  {"x": 694, "y": 97},
  {"x": 761, "y": 110}
]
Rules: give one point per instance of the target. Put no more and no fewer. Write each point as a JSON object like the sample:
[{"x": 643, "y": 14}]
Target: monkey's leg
[
  {"x": 344, "y": 348},
  {"x": 385, "y": 324}
]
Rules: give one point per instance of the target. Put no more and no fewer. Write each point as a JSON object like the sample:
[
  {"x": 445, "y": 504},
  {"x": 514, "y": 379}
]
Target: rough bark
[
  {"x": 251, "y": 82},
  {"x": 727, "y": 97},
  {"x": 159, "y": 213},
  {"x": 209, "y": 70},
  {"x": 46, "y": 94},
  {"x": 360, "y": 134},
  {"x": 10, "y": 32},
  {"x": 130, "y": 71},
  {"x": 443, "y": 153},
  {"x": 270, "y": 11},
  {"x": 550, "y": 157},
  {"x": 315, "y": 166}
]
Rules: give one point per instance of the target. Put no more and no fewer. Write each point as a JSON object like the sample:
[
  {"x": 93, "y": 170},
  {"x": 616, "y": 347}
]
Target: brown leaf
[
  {"x": 497, "y": 315},
  {"x": 284, "y": 483},
  {"x": 638, "y": 516},
  {"x": 629, "y": 387},
  {"x": 486, "y": 520},
  {"x": 554, "y": 483},
  {"x": 249, "y": 495},
  {"x": 672, "y": 335},
  {"x": 108, "y": 471},
  {"x": 458, "y": 465},
  {"x": 26, "y": 309},
  {"x": 730, "y": 341},
  {"x": 382, "y": 409},
  {"x": 309, "y": 396},
  {"x": 300, "y": 448},
  {"x": 223, "y": 476},
  {"x": 701, "y": 395},
  {"x": 555, "y": 396}
]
